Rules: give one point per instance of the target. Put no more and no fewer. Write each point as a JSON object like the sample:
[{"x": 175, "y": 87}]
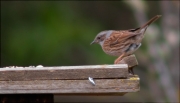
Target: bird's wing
[
  {"x": 118, "y": 37},
  {"x": 133, "y": 30}
]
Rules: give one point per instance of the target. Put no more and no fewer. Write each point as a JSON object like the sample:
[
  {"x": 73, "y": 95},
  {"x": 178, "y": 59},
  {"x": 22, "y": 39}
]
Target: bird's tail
[{"x": 150, "y": 21}]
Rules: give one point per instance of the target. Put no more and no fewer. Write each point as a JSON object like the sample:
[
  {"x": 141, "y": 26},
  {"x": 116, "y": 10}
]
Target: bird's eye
[{"x": 98, "y": 38}]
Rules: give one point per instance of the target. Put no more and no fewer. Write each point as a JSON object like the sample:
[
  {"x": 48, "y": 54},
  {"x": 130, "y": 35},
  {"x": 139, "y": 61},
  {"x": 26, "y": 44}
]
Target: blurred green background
[{"x": 59, "y": 33}]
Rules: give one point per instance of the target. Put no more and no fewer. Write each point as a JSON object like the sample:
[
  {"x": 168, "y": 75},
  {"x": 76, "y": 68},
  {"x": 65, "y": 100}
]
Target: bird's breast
[{"x": 114, "y": 51}]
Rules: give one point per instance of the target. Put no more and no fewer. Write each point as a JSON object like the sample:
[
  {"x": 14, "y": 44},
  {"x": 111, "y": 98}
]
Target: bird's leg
[{"x": 118, "y": 59}]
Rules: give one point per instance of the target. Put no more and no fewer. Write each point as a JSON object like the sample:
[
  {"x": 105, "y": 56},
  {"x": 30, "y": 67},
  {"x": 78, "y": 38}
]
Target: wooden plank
[
  {"x": 64, "y": 72},
  {"x": 106, "y": 86},
  {"x": 131, "y": 61}
]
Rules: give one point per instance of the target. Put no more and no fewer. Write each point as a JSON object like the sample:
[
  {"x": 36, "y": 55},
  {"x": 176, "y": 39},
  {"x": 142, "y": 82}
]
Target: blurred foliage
[{"x": 55, "y": 33}]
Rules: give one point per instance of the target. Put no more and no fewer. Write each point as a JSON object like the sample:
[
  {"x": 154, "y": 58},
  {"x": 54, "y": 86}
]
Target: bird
[{"x": 122, "y": 43}]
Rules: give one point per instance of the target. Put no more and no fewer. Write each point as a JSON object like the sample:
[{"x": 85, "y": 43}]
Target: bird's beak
[{"x": 92, "y": 42}]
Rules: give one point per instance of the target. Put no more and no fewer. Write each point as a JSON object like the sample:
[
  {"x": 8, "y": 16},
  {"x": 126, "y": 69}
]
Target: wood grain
[
  {"x": 70, "y": 80},
  {"x": 131, "y": 61},
  {"x": 64, "y": 72},
  {"x": 71, "y": 86}
]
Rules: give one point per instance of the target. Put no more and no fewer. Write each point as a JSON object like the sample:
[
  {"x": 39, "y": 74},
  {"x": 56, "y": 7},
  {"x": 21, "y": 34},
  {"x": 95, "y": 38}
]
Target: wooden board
[
  {"x": 64, "y": 72},
  {"x": 70, "y": 80},
  {"x": 106, "y": 86},
  {"x": 130, "y": 60}
]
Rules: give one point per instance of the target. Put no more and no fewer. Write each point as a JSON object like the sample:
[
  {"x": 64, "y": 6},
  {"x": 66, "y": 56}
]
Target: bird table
[{"x": 70, "y": 80}]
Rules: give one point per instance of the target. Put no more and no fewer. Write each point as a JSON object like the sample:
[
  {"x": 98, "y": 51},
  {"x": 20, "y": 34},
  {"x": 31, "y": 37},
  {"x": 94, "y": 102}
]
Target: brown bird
[{"x": 122, "y": 42}]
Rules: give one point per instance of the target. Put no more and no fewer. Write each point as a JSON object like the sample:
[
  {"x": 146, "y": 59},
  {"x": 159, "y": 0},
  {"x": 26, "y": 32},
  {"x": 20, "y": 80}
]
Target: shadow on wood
[
  {"x": 131, "y": 61},
  {"x": 26, "y": 98}
]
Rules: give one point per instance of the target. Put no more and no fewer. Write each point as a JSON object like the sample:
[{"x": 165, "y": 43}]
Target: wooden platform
[{"x": 70, "y": 80}]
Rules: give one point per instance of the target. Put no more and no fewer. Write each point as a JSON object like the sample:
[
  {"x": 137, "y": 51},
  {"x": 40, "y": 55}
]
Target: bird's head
[{"x": 100, "y": 38}]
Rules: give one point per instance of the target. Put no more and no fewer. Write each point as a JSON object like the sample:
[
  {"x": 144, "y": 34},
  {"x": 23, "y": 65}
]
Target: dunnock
[{"x": 122, "y": 42}]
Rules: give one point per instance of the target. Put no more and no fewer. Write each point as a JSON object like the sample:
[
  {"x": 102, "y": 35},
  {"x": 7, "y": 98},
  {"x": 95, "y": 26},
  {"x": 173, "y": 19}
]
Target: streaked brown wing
[
  {"x": 117, "y": 38},
  {"x": 118, "y": 42}
]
